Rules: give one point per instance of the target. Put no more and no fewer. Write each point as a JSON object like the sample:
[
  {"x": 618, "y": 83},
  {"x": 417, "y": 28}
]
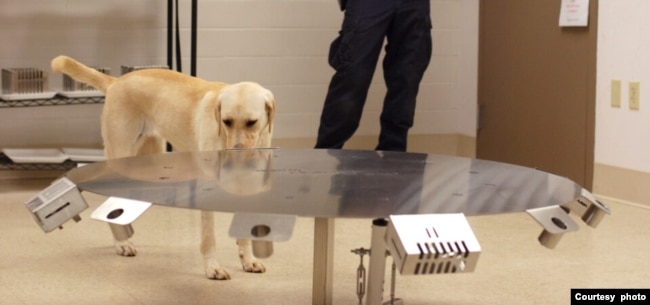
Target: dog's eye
[
  {"x": 250, "y": 123},
  {"x": 227, "y": 122}
]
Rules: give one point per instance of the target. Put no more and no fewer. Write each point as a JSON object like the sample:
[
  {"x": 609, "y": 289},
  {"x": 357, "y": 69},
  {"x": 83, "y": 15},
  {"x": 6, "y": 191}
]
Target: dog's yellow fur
[{"x": 145, "y": 108}]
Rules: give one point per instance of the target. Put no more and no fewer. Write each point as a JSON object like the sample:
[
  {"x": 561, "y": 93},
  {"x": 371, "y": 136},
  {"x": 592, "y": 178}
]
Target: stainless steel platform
[{"x": 329, "y": 184}]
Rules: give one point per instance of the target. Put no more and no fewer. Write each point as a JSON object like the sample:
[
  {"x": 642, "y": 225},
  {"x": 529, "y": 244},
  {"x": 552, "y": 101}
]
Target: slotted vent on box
[
  {"x": 70, "y": 84},
  {"x": 432, "y": 244},
  {"x": 449, "y": 257},
  {"x": 24, "y": 80}
]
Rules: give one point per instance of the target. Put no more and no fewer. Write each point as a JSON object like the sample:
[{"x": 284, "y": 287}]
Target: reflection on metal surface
[
  {"x": 327, "y": 183},
  {"x": 57, "y": 204},
  {"x": 432, "y": 244}
]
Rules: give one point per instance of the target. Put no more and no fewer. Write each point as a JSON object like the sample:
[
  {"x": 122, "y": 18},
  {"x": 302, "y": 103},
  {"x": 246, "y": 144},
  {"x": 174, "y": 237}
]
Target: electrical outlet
[
  {"x": 616, "y": 93},
  {"x": 635, "y": 95}
]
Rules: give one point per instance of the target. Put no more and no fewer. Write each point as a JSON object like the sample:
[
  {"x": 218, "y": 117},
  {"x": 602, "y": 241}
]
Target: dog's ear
[{"x": 270, "y": 109}]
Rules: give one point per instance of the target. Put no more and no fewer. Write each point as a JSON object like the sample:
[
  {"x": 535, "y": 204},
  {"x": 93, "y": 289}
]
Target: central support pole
[
  {"x": 323, "y": 261},
  {"x": 377, "y": 266}
]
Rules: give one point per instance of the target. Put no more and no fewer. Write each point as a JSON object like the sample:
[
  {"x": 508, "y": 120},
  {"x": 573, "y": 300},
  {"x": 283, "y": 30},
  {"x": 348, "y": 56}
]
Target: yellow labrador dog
[{"x": 145, "y": 108}]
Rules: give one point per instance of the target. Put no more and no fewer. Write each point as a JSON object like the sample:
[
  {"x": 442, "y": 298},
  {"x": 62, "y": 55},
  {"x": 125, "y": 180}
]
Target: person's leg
[
  {"x": 354, "y": 55},
  {"x": 407, "y": 56}
]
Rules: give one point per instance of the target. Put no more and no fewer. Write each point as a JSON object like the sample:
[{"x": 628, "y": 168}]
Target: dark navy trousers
[{"x": 406, "y": 27}]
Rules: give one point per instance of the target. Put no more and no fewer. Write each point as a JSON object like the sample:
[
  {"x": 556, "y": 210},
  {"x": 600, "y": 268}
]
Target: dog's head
[{"x": 245, "y": 113}]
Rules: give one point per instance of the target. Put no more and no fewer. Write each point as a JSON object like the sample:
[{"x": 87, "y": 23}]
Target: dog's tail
[{"x": 82, "y": 73}]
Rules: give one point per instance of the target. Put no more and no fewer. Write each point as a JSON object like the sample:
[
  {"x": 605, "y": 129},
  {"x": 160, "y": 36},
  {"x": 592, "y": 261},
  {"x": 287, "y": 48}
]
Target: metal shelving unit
[
  {"x": 58, "y": 100},
  {"x": 55, "y": 101},
  {"x": 7, "y": 164}
]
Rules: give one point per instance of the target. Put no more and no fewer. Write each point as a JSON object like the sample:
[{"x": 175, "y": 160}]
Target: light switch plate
[{"x": 635, "y": 95}]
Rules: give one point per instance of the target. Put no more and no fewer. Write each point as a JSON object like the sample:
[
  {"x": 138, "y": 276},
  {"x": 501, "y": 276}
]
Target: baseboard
[
  {"x": 446, "y": 144},
  {"x": 621, "y": 183}
]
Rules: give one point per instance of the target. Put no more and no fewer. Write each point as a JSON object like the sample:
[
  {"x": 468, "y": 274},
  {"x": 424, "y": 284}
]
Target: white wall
[
  {"x": 281, "y": 44},
  {"x": 623, "y": 135}
]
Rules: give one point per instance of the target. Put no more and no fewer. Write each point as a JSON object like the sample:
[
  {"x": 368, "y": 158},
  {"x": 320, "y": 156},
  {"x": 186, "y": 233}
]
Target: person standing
[{"x": 406, "y": 27}]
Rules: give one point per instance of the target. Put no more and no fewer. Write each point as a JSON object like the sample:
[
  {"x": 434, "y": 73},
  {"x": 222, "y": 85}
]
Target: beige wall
[
  {"x": 622, "y": 152},
  {"x": 282, "y": 44}
]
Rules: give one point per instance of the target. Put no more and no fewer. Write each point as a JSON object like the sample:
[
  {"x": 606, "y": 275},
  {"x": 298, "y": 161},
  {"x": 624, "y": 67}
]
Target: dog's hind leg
[
  {"x": 248, "y": 260},
  {"x": 146, "y": 144},
  {"x": 126, "y": 136},
  {"x": 123, "y": 246},
  {"x": 213, "y": 270},
  {"x": 121, "y": 133},
  {"x": 112, "y": 150}
]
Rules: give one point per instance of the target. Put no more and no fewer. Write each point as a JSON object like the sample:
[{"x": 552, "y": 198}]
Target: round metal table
[
  {"x": 326, "y": 183},
  {"x": 329, "y": 184}
]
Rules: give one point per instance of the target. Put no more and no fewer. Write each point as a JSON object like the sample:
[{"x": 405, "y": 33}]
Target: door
[{"x": 537, "y": 88}]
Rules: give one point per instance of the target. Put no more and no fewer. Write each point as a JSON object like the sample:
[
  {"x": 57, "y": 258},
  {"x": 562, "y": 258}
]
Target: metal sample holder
[
  {"x": 57, "y": 204},
  {"x": 24, "y": 81},
  {"x": 119, "y": 213},
  {"x": 432, "y": 244},
  {"x": 263, "y": 230},
  {"x": 418, "y": 201},
  {"x": 419, "y": 245}
]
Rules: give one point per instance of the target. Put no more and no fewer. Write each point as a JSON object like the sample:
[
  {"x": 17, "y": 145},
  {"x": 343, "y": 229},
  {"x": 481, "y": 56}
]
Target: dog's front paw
[
  {"x": 214, "y": 271},
  {"x": 253, "y": 265},
  {"x": 125, "y": 248},
  {"x": 218, "y": 273}
]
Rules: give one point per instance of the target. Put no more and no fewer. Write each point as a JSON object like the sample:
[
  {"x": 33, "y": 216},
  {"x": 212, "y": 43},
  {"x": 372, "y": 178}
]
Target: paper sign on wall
[{"x": 574, "y": 13}]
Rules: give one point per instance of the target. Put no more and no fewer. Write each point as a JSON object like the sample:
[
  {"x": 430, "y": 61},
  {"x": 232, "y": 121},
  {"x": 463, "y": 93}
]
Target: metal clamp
[{"x": 361, "y": 273}]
